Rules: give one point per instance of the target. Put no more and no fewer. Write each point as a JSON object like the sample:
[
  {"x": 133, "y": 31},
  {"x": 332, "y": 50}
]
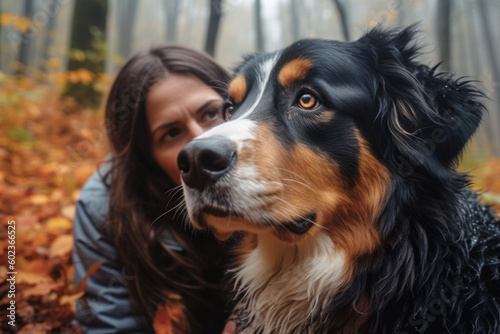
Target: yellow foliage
[
  {"x": 38, "y": 183},
  {"x": 62, "y": 246},
  {"x": 100, "y": 87},
  {"x": 21, "y": 23},
  {"x": 86, "y": 76},
  {"x": 71, "y": 300},
  {"x": 39, "y": 199},
  {"x": 82, "y": 75},
  {"x": 73, "y": 77},
  {"x": 58, "y": 223},
  {"x": 25, "y": 83},
  {"x": 27, "y": 277},
  {"x": 5, "y": 19},
  {"x": 77, "y": 55},
  {"x": 61, "y": 78},
  {"x": 103, "y": 77},
  {"x": 53, "y": 62}
]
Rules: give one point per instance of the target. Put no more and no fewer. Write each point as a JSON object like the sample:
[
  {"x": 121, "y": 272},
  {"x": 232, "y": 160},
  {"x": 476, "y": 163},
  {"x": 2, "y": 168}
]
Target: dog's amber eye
[
  {"x": 308, "y": 101},
  {"x": 227, "y": 110}
]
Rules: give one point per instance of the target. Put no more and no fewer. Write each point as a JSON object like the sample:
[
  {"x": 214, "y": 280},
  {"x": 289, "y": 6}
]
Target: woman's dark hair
[{"x": 161, "y": 275}]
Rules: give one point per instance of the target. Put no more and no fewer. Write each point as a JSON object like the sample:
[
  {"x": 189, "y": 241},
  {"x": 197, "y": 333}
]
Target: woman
[{"x": 130, "y": 217}]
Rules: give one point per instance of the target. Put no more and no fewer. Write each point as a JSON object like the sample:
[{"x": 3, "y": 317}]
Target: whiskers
[
  {"x": 294, "y": 180},
  {"x": 175, "y": 189},
  {"x": 180, "y": 207}
]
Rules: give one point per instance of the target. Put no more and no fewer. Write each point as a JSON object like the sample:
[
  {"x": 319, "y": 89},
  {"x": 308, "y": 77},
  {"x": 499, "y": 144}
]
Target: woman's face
[{"x": 179, "y": 108}]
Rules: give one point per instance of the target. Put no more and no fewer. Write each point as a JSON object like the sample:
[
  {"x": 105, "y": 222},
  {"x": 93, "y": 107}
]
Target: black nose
[{"x": 204, "y": 161}]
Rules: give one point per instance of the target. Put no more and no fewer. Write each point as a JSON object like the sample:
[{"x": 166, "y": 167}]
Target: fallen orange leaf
[
  {"x": 68, "y": 211},
  {"x": 83, "y": 283},
  {"x": 83, "y": 172},
  {"x": 162, "y": 323},
  {"x": 26, "y": 222},
  {"x": 57, "y": 223},
  {"x": 71, "y": 299},
  {"x": 42, "y": 289},
  {"x": 40, "y": 328},
  {"x": 62, "y": 246},
  {"x": 3, "y": 274},
  {"x": 27, "y": 277},
  {"x": 38, "y": 266},
  {"x": 39, "y": 199},
  {"x": 170, "y": 319}
]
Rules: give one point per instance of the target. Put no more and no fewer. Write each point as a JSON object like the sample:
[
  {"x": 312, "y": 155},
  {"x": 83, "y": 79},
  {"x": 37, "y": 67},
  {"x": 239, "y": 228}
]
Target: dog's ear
[{"x": 429, "y": 116}]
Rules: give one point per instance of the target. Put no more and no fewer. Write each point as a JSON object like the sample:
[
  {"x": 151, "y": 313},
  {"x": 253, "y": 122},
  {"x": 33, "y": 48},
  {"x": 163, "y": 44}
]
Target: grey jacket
[{"x": 106, "y": 292}]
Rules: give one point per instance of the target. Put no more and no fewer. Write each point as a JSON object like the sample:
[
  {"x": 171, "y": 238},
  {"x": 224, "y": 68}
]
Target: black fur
[{"x": 438, "y": 268}]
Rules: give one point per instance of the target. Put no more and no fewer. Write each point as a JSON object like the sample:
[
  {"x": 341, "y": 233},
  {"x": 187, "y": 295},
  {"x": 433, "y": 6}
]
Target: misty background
[{"x": 74, "y": 48}]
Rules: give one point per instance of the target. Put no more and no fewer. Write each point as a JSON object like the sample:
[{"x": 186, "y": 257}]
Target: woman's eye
[
  {"x": 227, "y": 111},
  {"x": 308, "y": 101},
  {"x": 212, "y": 115},
  {"x": 171, "y": 134}
]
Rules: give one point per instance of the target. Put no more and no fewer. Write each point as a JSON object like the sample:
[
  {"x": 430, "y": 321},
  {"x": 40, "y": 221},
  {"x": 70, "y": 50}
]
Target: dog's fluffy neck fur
[{"x": 284, "y": 286}]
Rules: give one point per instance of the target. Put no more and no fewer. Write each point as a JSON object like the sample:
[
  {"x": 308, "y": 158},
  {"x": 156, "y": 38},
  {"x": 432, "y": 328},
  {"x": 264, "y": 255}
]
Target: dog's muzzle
[{"x": 204, "y": 161}]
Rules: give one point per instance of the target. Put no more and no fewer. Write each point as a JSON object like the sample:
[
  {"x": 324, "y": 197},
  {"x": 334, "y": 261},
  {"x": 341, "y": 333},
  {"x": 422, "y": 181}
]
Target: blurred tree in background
[
  {"x": 213, "y": 26},
  {"x": 127, "y": 12},
  {"x": 77, "y": 46},
  {"x": 87, "y": 51},
  {"x": 172, "y": 15},
  {"x": 27, "y": 42}
]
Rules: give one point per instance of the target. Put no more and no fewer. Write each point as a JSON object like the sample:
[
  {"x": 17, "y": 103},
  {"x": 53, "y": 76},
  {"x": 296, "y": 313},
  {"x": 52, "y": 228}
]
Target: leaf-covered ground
[
  {"x": 48, "y": 149},
  {"x": 46, "y": 155}
]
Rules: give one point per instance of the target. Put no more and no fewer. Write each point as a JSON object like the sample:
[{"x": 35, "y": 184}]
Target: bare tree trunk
[
  {"x": 493, "y": 57},
  {"x": 467, "y": 61},
  {"x": 316, "y": 21},
  {"x": 213, "y": 26},
  {"x": 443, "y": 33},
  {"x": 172, "y": 10},
  {"x": 285, "y": 31},
  {"x": 343, "y": 19},
  {"x": 259, "y": 36},
  {"x": 401, "y": 8},
  {"x": 127, "y": 10},
  {"x": 51, "y": 9},
  {"x": 1, "y": 38},
  {"x": 89, "y": 23},
  {"x": 295, "y": 19},
  {"x": 26, "y": 46}
]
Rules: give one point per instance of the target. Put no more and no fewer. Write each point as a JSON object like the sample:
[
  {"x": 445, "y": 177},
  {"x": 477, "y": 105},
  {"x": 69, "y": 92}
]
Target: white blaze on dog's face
[{"x": 288, "y": 161}]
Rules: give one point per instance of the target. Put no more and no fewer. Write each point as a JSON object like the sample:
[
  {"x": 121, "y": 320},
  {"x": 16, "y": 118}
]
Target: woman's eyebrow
[
  {"x": 206, "y": 104},
  {"x": 164, "y": 125},
  {"x": 200, "y": 109}
]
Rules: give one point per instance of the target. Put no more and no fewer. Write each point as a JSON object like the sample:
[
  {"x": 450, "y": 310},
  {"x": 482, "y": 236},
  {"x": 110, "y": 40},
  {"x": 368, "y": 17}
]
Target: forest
[{"x": 58, "y": 59}]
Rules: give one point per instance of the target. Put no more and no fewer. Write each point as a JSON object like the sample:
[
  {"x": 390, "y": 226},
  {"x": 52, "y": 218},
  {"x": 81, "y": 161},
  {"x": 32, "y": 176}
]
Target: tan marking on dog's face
[
  {"x": 294, "y": 70},
  {"x": 238, "y": 89},
  {"x": 296, "y": 181},
  {"x": 303, "y": 181},
  {"x": 246, "y": 246}
]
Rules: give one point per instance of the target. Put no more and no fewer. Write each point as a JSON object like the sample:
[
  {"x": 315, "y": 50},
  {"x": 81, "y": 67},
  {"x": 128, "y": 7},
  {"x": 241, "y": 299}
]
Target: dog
[{"x": 336, "y": 167}]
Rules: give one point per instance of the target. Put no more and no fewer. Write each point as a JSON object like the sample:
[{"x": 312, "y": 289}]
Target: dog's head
[{"x": 317, "y": 134}]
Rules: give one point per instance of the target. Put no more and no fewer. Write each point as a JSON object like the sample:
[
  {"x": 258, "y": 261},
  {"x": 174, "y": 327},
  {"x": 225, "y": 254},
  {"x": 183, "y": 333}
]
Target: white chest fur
[{"x": 281, "y": 286}]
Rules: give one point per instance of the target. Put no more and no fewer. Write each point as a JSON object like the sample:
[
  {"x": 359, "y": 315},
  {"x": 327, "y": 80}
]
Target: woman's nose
[{"x": 195, "y": 130}]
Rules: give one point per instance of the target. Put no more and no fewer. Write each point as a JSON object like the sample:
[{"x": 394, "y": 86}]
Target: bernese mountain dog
[{"x": 336, "y": 167}]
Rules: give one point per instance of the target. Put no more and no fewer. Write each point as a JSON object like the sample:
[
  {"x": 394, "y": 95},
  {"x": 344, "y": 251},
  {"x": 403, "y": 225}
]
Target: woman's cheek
[{"x": 167, "y": 160}]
